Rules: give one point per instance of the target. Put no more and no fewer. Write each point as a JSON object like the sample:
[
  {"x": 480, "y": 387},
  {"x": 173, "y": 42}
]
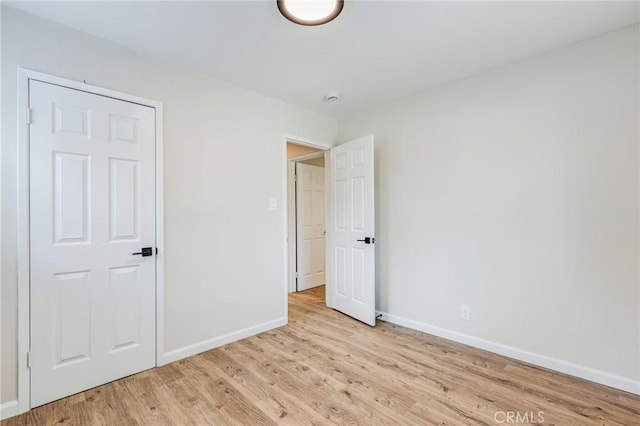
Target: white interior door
[
  {"x": 92, "y": 206},
  {"x": 351, "y": 242},
  {"x": 310, "y": 232}
]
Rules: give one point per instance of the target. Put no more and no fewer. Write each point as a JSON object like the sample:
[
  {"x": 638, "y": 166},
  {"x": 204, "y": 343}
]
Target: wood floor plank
[
  {"x": 315, "y": 391},
  {"x": 281, "y": 407},
  {"x": 384, "y": 393},
  {"x": 325, "y": 368}
]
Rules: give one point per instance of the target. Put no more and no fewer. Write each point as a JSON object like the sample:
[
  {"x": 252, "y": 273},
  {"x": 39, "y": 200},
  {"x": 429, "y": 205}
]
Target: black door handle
[
  {"x": 368, "y": 240},
  {"x": 145, "y": 251}
]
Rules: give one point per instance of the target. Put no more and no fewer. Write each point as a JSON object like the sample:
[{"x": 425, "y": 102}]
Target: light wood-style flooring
[{"x": 325, "y": 368}]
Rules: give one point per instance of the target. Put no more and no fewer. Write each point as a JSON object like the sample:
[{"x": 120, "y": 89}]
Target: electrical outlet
[{"x": 465, "y": 312}]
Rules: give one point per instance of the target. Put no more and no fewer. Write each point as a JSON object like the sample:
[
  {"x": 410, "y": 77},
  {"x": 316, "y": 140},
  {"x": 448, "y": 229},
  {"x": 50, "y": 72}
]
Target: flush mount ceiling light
[{"x": 310, "y": 12}]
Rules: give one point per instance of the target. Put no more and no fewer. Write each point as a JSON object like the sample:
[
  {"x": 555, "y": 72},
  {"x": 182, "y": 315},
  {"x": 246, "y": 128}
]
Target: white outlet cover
[
  {"x": 465, "y": 312},
  {"x": 273, "y": 203}
]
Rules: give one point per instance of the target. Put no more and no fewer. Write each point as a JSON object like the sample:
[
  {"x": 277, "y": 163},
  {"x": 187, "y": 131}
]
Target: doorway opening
[
  {"x": 306, "y": 228},
  {"x": 343, "y": 225}
]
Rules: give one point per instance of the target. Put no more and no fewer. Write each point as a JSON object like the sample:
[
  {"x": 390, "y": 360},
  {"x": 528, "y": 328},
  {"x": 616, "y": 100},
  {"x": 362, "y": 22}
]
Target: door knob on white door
[
  {"x": 368, "y": 240},
  {"x": 144, "y": 252}
]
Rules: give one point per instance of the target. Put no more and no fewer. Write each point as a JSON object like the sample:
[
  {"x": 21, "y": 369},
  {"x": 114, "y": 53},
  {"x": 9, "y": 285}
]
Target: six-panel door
[
  {"x": 351, "y": 259},
  {"x": 92, "y": 199},
  {"x": 310, "y": 226}
]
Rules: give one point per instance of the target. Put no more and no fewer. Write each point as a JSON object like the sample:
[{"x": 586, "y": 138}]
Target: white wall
[
  {"x": 223, "y": 160},
  {"x": 516, "y": 192}
]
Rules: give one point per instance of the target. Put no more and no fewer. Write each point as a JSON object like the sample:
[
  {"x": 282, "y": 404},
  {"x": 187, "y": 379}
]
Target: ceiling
[{"x": 374, "y": 52}]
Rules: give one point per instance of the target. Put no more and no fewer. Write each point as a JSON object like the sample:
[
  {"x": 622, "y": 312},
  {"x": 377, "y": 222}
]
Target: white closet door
[{"x": 92, "y": 198}]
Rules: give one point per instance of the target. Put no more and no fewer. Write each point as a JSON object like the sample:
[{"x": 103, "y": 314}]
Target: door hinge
[
  {"x": 29, "y": 359},
  {"x": 28, "y": 116}
]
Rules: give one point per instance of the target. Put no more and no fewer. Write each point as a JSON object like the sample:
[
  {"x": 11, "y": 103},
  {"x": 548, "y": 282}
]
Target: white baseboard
[
  {"x": 9, "y": 409},
  {"x": 598, "y": 376},
  {"x": 206, "y": 345}
]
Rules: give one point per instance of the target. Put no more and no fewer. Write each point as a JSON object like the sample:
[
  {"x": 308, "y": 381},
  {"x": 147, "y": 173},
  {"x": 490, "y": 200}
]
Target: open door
[{"x": 350, "y": 230}]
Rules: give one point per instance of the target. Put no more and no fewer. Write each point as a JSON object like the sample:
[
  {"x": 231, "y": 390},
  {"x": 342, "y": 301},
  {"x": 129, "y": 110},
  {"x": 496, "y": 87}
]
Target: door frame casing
[
  {"x": 288, "y": 240},
  {"x": 23, "y": 249}
]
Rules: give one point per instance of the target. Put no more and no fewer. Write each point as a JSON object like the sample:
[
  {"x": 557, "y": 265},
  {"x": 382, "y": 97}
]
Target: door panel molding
[{"x": 75, "y": 122}]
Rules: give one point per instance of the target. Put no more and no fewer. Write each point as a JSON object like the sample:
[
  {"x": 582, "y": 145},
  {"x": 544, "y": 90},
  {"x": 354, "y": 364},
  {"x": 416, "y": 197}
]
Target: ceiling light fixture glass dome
[{"x": 310, "y": 12}]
